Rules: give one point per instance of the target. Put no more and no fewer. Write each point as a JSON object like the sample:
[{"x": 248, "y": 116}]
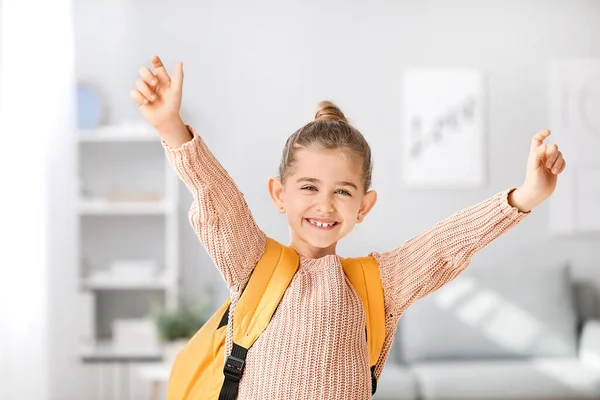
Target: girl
[{"x": 314, "y": 346}]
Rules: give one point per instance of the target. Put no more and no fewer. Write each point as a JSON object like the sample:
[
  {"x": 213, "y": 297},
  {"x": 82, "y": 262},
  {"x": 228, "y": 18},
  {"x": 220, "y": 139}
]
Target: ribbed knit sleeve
[
  {"x": 428, "y": 261},
  {"x": 433, "y": 258},
  {"x": 219, "y": 214}
]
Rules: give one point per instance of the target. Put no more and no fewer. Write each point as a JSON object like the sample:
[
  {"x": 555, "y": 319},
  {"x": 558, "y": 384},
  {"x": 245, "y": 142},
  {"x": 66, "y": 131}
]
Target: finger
[
  {"x": 551, "y": 155},
  {"x": 562, "y": 168},
  {"x": 557, "y": 165},
  {"x": 139, "y": 99},
  {"x": 538, "y": 156},
  {"x": 148, "y": 77},
  {"x": 538, "y": 138},
  {"x": 161, "y": 72},
  {"x": 143, "y": 88},
  {"x": 177, "y": 82}
]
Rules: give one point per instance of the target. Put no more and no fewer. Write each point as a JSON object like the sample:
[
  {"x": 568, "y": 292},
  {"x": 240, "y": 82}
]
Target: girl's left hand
[{"x": 544, "y": 164}]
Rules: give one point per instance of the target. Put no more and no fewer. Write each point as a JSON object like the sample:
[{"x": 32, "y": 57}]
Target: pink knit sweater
[{"x": 315, "y": 346}]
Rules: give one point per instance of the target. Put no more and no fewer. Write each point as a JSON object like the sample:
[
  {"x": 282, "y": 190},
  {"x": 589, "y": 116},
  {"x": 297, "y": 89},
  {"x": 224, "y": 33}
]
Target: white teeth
[{"x": 321, "y": 224}]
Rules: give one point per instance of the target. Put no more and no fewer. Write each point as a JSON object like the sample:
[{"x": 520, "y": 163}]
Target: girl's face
[{"x": 323, "y": 198}]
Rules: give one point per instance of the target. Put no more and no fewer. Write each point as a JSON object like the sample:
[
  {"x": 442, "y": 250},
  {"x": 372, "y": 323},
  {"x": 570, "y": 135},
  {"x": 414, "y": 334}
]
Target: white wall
[
  {"x": 36, "y": 122},
  {"x": 255, "y": 71}
]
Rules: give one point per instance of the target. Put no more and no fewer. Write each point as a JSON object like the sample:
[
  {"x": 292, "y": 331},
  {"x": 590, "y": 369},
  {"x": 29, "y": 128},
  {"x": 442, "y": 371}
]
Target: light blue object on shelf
[{"x": 89, "y": 107}]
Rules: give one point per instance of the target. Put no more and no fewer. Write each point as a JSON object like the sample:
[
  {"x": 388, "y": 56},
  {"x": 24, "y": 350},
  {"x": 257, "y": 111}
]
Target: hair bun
[{"x": 327, "y": 111}]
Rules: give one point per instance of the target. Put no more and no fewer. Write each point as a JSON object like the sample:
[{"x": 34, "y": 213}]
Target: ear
[
  {"x": 366, "y": 205},
  {"x": 276, "y": 193}
]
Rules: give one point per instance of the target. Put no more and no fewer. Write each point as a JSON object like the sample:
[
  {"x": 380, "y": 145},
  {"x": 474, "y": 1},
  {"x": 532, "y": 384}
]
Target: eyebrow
[{"x": 315, "y": 180}]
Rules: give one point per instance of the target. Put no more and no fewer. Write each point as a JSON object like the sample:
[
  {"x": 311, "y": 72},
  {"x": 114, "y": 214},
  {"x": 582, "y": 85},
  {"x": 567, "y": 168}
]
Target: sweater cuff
[
  {"x": 183, "y": 147},
  {"x": 193, "y": 161},
  {"x": 513, "y": 213}
]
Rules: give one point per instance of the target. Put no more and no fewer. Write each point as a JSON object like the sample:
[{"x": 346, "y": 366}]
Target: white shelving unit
[
  {"x": 127, "y": 208},
  {"x": 105, "y": 207},
  {"x": 95, "y": 283},
  {"x": 125, "y": 133}
]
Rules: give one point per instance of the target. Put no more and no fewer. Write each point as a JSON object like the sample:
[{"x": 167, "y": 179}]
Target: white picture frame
[
  {"x": 574, "y": 100},
  {"x": 443, "y": 128}
]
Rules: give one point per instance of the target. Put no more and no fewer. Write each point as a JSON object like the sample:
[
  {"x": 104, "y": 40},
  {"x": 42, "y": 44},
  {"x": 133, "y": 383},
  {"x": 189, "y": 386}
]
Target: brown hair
[{"x": 329, "y": 130}]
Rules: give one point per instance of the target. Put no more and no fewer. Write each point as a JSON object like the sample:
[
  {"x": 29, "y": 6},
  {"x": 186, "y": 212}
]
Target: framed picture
[
  {"x": 442, "y": 124},
  {"x": 574, "y": 101}
]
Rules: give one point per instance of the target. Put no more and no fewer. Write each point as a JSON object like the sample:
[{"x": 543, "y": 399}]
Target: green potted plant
[{"x": 176, "y": 327}]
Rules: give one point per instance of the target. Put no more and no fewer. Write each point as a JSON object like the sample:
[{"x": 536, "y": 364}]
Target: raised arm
[
  {"x": 433, "y": 258},
  {"x": 219, "y": 214},
  {"x": 428, "y": 261}
]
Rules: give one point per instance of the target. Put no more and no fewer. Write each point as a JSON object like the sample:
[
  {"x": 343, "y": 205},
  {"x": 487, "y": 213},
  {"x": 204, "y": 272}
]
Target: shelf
[
  {"x": 155, "y": 372},
  {"x": 105, "y": 351},
  {"x": 110, "y": 283},
  {"x": 95, "y": 138},
  {"x": 126, "y": 205},
  {"x": 119, "y": 134},
  {"x": 105, "y": 207}
]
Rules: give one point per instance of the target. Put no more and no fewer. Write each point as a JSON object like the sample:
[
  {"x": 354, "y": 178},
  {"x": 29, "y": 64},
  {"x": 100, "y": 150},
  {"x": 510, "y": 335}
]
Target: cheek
[
  {"x": 350, "y": 213},
  {"x": 297, "y": 204},
  {"x": 352, "y": 205},
  {"x": 347, "y": 209}
]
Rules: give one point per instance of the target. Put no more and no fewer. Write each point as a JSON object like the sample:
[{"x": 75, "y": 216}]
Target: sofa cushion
[
  {"x": 494, "y": 312},
  {"x": 396, "y": 382},
  {"x": 525, "y": 379}
]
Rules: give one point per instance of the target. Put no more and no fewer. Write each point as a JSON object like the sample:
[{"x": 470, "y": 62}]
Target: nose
[{"x": 325, "y": 203}]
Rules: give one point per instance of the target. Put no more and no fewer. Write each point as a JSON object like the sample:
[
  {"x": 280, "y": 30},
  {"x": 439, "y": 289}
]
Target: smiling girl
[{"x": 314, "y": 346}]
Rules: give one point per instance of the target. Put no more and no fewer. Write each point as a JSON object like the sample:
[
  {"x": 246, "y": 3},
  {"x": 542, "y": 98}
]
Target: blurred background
[{"x": 102, "y": 278}]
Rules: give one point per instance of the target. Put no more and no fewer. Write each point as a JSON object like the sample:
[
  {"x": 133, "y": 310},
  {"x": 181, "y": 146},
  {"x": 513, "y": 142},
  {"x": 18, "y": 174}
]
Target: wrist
[
  {"x": 522, "y": 199},
  {"x": 169, "y": 126},
  {"x": 174, "y": 132}
]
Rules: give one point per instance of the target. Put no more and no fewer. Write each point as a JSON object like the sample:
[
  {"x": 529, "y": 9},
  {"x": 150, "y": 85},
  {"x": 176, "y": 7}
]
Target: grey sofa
[{"x": 496, "y": 333}]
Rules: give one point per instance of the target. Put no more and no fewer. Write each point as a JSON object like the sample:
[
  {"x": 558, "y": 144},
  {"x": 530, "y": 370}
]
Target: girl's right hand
[{"x": 158, "y": 97}]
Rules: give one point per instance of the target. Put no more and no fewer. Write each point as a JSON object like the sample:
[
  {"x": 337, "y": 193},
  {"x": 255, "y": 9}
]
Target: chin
[{"x": 320, "y": 243}]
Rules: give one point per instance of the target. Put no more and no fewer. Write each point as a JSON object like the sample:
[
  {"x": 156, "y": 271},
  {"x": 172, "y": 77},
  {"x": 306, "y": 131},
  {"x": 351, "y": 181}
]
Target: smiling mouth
[{"x": 322, "y": 224}]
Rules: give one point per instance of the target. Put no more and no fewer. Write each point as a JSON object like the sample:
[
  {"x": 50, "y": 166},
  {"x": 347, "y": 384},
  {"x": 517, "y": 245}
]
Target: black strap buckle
[
  {"x": 373, "y": 381},
  {"x": 233, "y": 369}
]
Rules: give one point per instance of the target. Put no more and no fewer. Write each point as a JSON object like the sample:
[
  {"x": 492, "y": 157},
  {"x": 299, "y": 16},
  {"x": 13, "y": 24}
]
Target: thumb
[
  {"x": 538, "y": 149},
  {"x": 538, "y": 139},
  {"x": 177, "y": 79},
  {"x": 538, "y": 156}
]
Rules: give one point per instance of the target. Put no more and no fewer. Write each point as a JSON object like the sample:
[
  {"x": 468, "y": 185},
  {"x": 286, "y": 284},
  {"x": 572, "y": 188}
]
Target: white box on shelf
[
  {"x": 134, "y": 269},
  {"x": 136, "y": 334},
  {"x": 106, "y": 280}
]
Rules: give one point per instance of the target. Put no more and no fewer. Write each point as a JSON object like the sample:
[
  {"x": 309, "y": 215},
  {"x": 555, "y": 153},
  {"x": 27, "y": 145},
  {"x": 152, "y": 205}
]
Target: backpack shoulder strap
[
  {"x": 363, "y": 273},
  {"x": 256, "y": 306},
  {"x": 264, "y": 291}
]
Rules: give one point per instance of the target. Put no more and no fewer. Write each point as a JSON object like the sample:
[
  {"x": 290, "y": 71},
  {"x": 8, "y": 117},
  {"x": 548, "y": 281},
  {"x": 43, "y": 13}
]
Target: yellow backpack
[{"x": 199, "y": 370}]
